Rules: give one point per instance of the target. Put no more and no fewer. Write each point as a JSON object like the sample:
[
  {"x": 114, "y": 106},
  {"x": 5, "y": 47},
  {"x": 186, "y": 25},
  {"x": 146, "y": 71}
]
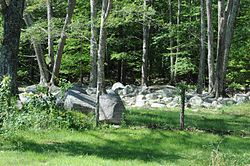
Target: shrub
[{"x": 40, "y": 113}]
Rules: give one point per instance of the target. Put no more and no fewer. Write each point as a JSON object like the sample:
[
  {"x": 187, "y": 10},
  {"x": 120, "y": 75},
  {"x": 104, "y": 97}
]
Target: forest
[{"x": 100, "y": 82}]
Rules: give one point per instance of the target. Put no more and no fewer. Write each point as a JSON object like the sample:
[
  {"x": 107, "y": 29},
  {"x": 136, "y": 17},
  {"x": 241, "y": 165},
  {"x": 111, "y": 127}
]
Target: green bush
[{"x": 39, "y": 113}]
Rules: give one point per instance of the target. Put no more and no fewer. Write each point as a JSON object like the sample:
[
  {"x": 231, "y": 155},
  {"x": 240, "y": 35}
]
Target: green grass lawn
[{"x": 149, "y": 137}]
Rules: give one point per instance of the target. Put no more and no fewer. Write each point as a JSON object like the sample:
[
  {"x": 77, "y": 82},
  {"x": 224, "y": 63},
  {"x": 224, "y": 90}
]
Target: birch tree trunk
[
  {"x": 210, "y": 46},
  {"x": 171, "y": 43},
  {"x": 50, "y": 38},
  {"x": 202, "y": 51},
  {"x": 93, "y": 45},
  {"x": 58, "y": 60},
  {"x": 12, "y": 13},
  {"x": 145, "y": 47},
  {"x": 178, "y": 38},
  {"x": 38, "y": 52},
  {"x": 106, "y": 7}
]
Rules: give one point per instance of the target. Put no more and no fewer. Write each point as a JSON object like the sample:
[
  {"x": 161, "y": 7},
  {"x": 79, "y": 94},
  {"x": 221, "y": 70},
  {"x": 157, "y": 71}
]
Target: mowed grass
[{"x": 149, "y": 137}]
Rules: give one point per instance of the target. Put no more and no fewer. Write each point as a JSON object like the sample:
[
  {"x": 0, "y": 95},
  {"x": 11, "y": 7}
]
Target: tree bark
[
  {"x": 229, "y": 33},
  {"x": 182, "y": 113},
  {"x": 93, "y": 44},
  {"x": 171, "y": 43},
  {"x": 178, "y": 38},
  {"x": 145, "y": 47},
  {"x": 38, "y": 52},
  {"x": 224, "y": 43},
  {"x": 58, "y": 60},
  {"x": 12, "y": 22},
  {"x": 106, "y": 7},
  {"x": 220, "y": 50},
  {"x": 210, "y": 46},
  {"x": 50, "y": 38},
  {"x": 202, "y": 51}
]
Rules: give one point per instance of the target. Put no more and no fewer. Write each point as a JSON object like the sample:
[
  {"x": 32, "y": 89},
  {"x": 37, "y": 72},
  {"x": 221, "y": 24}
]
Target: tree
[
  {"x": 210, "y": 46},
  {"x": 38, "y": 52},
  {"x": 50, "y": 38},
  {"x": 93, "y": 44},
  {"x": 178, "y": 37},
  {"x": 106, "y": 7},
  {"x": 172, "y": 75},
  {"x": 145, "y": 47},
  {"x": 226, "y": 23},
  {"x": 58, "y": 60},
  {"x": 12, "y": 12},
  {"x": 202, "y": 51}
]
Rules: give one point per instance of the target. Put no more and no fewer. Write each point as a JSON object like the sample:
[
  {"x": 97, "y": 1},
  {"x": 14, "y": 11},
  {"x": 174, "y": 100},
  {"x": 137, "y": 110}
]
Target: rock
[
  {"x": 77, "y": 100},
  {"x": 209, "y": 99},
  {"x": 144, "y": 90},
  {"x": 111, "y": 108},
  {"x": 117, "y": 86},
  {"x": 157, "y": 105},
  {"x": 175, "y": 102},
  {"x": 195, "y": 101},
  {"x": 54, "y": 90},
  {"x": 227, "y": 101},
  {"x": 23, "y": 97},
  {"x": 167, "y": 99},
  {"x": 172, "y": 104},
  {"x": 241, "y": 98},
  {"x": 91, "y": 91},
  {"x": 129, "y": 101},
  {"x": 129, "y": 89},
  {"x": 151, "y": 96},
  {"x": 214, "y": 104},
  {"x": 140, "y": 101},
  {"x": 19, "y": 105},
  {"x": 31, "y": 89},
  {"x": 206, "y": 105}
]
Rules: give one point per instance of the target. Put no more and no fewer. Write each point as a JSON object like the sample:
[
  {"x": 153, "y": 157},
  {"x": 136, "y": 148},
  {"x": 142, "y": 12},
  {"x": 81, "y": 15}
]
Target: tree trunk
[
  {"x": 38, "y": 52},
  {"x": 229, "y": 33},
  {"x": 145, "y": 47},
  {"x": 93, "y": 44},
  {"x": 50, "y": 38},
  {"x": 81, "y": 63},
  {"x": 210, "y": 46},
  {"x": 224, "y": 42},
  {"x": 182, "y": 113},
  {"x": 221, "y": 8},
  {"x": 58, "y": 60},
  {"x": 171, "y": 43},
  {"x": 178, "y": 38},
  {"x": 106, "y": 7},
  {"x": 12, "y": 22},
  {"x": 202, "y": 51}
]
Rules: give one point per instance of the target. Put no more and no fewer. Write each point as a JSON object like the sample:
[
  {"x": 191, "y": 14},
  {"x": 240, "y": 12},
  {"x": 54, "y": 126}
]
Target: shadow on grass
[
  {"x": 143, "y": 149},
  {"x": 217, "y": 124}
]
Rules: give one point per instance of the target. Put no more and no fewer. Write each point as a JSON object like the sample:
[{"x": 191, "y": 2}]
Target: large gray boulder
[
  {"x": 77, "y": 99},
  {"x": 111, "y": 108}
]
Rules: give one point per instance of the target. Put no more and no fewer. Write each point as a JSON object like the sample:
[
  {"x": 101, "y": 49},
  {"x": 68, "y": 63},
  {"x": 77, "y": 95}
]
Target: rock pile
[{"x": 167, "y": 96}]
